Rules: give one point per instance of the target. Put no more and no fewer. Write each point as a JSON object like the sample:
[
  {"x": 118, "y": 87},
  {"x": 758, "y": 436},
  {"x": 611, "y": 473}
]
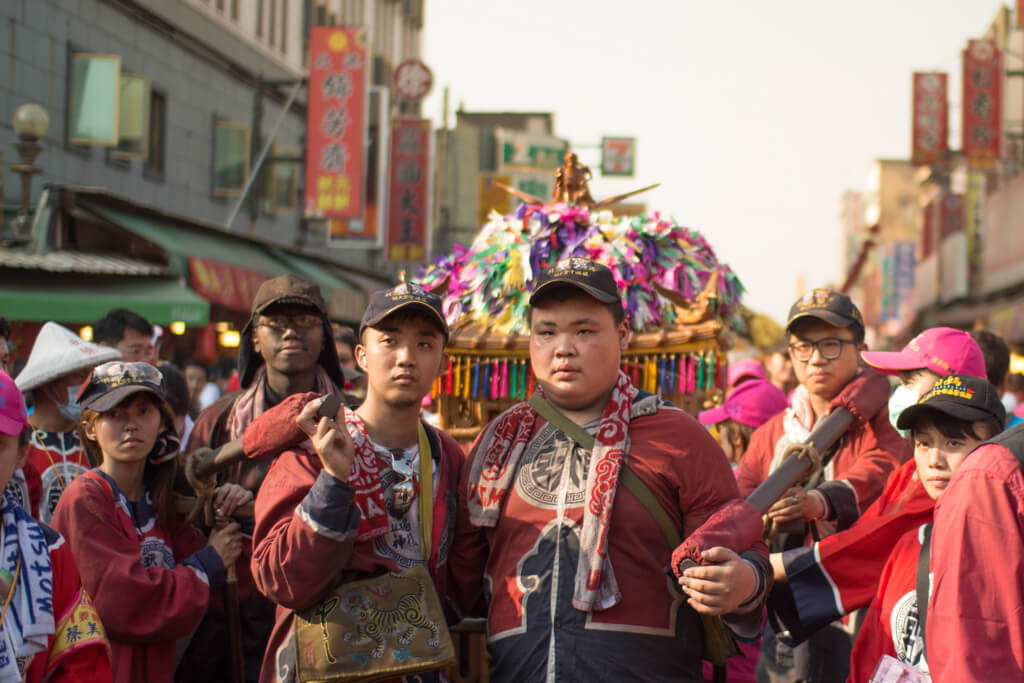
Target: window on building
[
  {"x": 281, "y": 179},
  {"x": 284, "y": 27},
  {"x": 272, "y": 24},
  {"x": 230, "y": 157},
  {"x": 234, "y": 10},
  {"x": 156, "y": 147},
  {"x": 259, "y": 18},
  {"x": 132, "y": 118},
  {"x": 219, "y": 5},
  {"x": 93, "y": 95}
]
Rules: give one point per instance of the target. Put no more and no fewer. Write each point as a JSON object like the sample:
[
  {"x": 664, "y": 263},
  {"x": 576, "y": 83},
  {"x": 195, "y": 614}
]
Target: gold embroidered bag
[{"x": 382, "y": 627}]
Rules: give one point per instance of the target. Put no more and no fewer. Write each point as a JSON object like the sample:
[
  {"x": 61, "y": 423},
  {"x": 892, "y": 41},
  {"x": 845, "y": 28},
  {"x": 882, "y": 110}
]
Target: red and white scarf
[{"x": 502, "y": 445}]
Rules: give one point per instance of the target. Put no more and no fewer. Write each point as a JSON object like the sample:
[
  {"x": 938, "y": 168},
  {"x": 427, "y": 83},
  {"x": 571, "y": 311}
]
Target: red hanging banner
[
  {"x": 407, "y": 190},
  {"x": 982, "y": 129},
  {"x": 931, "y": 116},
  {"x": 336, "y": 121}
]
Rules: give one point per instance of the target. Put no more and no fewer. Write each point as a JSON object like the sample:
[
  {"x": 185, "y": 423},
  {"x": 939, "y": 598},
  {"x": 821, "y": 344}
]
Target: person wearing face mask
[
  {"x": 928, "y": 357},
  {"x": 58, "y": 365}
]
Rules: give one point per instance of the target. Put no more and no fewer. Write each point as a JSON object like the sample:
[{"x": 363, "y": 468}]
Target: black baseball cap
[
  {"x": 963, "y": 397},
  {"x": 593, "y": 278},
  {"x": 408, "y": 294},
  {"x": 113, "y": 382},
  {"x": 833, "y": 307}
]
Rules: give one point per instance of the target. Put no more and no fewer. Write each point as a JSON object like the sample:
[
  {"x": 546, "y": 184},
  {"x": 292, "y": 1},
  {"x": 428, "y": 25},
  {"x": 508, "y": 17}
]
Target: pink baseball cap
[
  {"x": 748, "y": 368},
  {"x": 942, "y": 350},
  {"x": 752, "y": 403},
  {"x": 13, "y": 417}
]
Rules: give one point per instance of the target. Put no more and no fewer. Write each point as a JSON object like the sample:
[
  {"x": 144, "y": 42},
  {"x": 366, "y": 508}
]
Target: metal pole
[{"x": 263, "y": 156}]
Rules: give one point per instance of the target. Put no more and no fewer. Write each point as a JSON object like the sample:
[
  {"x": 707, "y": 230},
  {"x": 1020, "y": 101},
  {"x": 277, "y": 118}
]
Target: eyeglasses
[
  {"x": 403, "y": 493},
  {"x": 280, "y": 323},
  {"x": 830, "y": 348}
]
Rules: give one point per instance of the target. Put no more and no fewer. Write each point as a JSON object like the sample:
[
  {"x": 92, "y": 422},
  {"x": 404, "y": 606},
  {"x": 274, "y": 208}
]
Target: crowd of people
[{"x": 600, "y": 530}]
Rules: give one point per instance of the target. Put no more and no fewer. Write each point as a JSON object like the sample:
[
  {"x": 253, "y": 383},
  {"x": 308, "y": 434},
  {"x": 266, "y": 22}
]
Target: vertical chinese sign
[
  {"x": 407, "y": 189},
  {"x": 982, "y": 105},
  {"x": 931, "y": 119},
  {"x": 334, "y": 134}
]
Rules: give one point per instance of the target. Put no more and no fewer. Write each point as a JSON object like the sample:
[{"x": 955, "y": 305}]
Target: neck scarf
[
  {"x": 365, "y": 479},
  {"x": 253, "y": 402},
  {"x": 502, "y": 445},
  {"x": 29, "y": 620}
]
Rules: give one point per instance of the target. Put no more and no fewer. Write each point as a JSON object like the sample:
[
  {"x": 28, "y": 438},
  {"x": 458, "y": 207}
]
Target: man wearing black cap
[
  {"x": 574, "y": 564},
  {"x": 286, "y": 348},
  {"x": 826, "y": 334},
  {"x": 372, "y": 490}
]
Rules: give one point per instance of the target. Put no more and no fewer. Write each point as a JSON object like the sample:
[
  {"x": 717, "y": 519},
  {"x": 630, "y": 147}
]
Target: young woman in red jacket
[{"x": 150, "y": 575}]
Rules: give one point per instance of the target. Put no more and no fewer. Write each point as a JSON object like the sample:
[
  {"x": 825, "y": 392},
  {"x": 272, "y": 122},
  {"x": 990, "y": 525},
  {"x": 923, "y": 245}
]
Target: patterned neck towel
[
  {"x": 501, "y": 446},
  {"x": 29, "y": 620},
  {"x": 253, "y": 402}
]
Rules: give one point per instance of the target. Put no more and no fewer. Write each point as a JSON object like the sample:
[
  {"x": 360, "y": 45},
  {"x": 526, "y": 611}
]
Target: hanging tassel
[
  {"x": 671, "y": 373},
  {"x": 448, "y": 379},
  {"x": 465, "y": 379},
  {"x": 487, "y": 378},
  {"x": 683, "y": 366},
  {"x": 476, "y": 379},
  {"x": 522, "y": 379},
  {"x": 691, "y": 373},
  {"x": 435, "y": 388},
  {"x": 530, "y": 390},
  {"x": 458, "y": 377},
  {"x": 662, "y": 373},
  {"x": 700, "y": 371},
  {"x": 495, "y": 378},
  {"x": 515, "y": 377},
  {"x": 504, "y": 378},
  {"x": 636, "y": 370},
  {"x": 711, "y": 371}
]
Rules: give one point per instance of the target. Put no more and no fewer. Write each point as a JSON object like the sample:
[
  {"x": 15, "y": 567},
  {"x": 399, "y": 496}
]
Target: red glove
[{"x": 275, "y": 430}]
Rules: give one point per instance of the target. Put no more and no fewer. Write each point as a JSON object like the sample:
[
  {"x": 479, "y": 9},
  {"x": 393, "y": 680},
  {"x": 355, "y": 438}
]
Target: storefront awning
[
  {"x": 85, "y": 300},
  {"x": 226, "y": 269}
]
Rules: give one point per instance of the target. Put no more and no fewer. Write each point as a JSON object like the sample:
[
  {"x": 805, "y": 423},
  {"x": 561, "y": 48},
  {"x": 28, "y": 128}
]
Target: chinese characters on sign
[
  {"x": 618, "y": 156},
  {"x": 407, "y": 194},
  {"x": 930, "y": 127},
  {"x": 337, "y": 106},
  {"x": 412, "y": 80},
  {"x": 982, "y": 107}
]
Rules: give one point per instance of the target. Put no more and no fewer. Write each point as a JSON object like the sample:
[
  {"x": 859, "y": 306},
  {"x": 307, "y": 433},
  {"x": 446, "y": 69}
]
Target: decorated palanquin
[{"x": 682, "y": 304}]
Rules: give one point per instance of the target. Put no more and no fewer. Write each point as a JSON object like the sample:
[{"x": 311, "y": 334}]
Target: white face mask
[
  {"x": 71, "y": 410},
  {"x": 900, "y": 400}
]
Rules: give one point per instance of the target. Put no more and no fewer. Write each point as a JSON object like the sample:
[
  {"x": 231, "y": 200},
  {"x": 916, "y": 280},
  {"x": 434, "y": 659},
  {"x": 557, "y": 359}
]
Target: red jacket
[
  {"x": 975, "y": 626},
  {"x": 150, "y": 585},
  {"x": 869, "y": 450},
  {"x": 305, "y": 539},
  {"x": 892, "y": 625},
  {"x": 78, "y": 651},
  {"x": 840, "y": 573}
]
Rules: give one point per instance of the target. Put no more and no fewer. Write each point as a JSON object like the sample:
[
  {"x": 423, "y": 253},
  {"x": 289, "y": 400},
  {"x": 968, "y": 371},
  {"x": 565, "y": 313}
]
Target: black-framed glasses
[
  {"x": 830, "y": 348},
  {"x": 280, "y": 323}
]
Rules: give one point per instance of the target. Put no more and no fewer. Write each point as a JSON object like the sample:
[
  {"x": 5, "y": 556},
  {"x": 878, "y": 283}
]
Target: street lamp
[{"x": 30, "y": 123}]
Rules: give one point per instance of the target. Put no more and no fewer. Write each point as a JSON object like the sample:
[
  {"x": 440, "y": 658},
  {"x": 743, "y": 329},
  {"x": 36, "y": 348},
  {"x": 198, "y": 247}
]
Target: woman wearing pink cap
[
  {"x": 752, "y": 403},
  {"x": 928, "y": 357}
]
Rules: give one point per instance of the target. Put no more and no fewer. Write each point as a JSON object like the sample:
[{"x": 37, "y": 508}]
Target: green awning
[
  {"x": 182, "y": 241},
  {"x": 85, "y": 300}
]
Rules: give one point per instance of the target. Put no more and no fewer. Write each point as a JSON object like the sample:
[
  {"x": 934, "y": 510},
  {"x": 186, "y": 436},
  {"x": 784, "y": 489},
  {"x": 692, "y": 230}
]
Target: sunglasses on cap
[{"x": 114, "y": 377}]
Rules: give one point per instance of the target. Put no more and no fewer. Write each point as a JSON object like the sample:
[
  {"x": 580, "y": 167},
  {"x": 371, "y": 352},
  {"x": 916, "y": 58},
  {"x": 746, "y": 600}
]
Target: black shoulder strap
[{"x": 923, "y": 567}]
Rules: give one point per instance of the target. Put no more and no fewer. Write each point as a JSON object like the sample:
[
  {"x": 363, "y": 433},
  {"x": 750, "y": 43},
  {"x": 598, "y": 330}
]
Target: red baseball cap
[
  {"x": 745, "y": 369},
  {"x": 943, "y": 350},
  {"x": 752, "y": 403}
]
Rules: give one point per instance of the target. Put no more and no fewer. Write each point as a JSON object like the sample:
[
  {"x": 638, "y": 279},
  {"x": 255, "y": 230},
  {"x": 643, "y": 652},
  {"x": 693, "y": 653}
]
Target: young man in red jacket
[
  {"x": 571, "y": 556},
  {"x": 826, "y": 334},
  {"x": 345, "y": 505}
]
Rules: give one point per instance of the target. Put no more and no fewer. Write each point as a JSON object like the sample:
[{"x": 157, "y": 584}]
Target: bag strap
[
  {"x": 426, "y": 492},
  {"x": 627, "y": 477},
  {"x": 923, "y": 567}
]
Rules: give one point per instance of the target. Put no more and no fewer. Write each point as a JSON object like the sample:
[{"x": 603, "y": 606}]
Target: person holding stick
[
  {"x": 150, "y": 575},
  {"x": 349, "y": 496}
]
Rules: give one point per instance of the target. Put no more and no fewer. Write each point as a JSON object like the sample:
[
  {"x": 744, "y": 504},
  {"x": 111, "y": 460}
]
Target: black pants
[{"x": 823, "y": 658}]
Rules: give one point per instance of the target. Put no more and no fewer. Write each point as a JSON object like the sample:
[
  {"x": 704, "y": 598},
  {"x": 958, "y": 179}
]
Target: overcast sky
[{"x": 754, "y": 116}]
